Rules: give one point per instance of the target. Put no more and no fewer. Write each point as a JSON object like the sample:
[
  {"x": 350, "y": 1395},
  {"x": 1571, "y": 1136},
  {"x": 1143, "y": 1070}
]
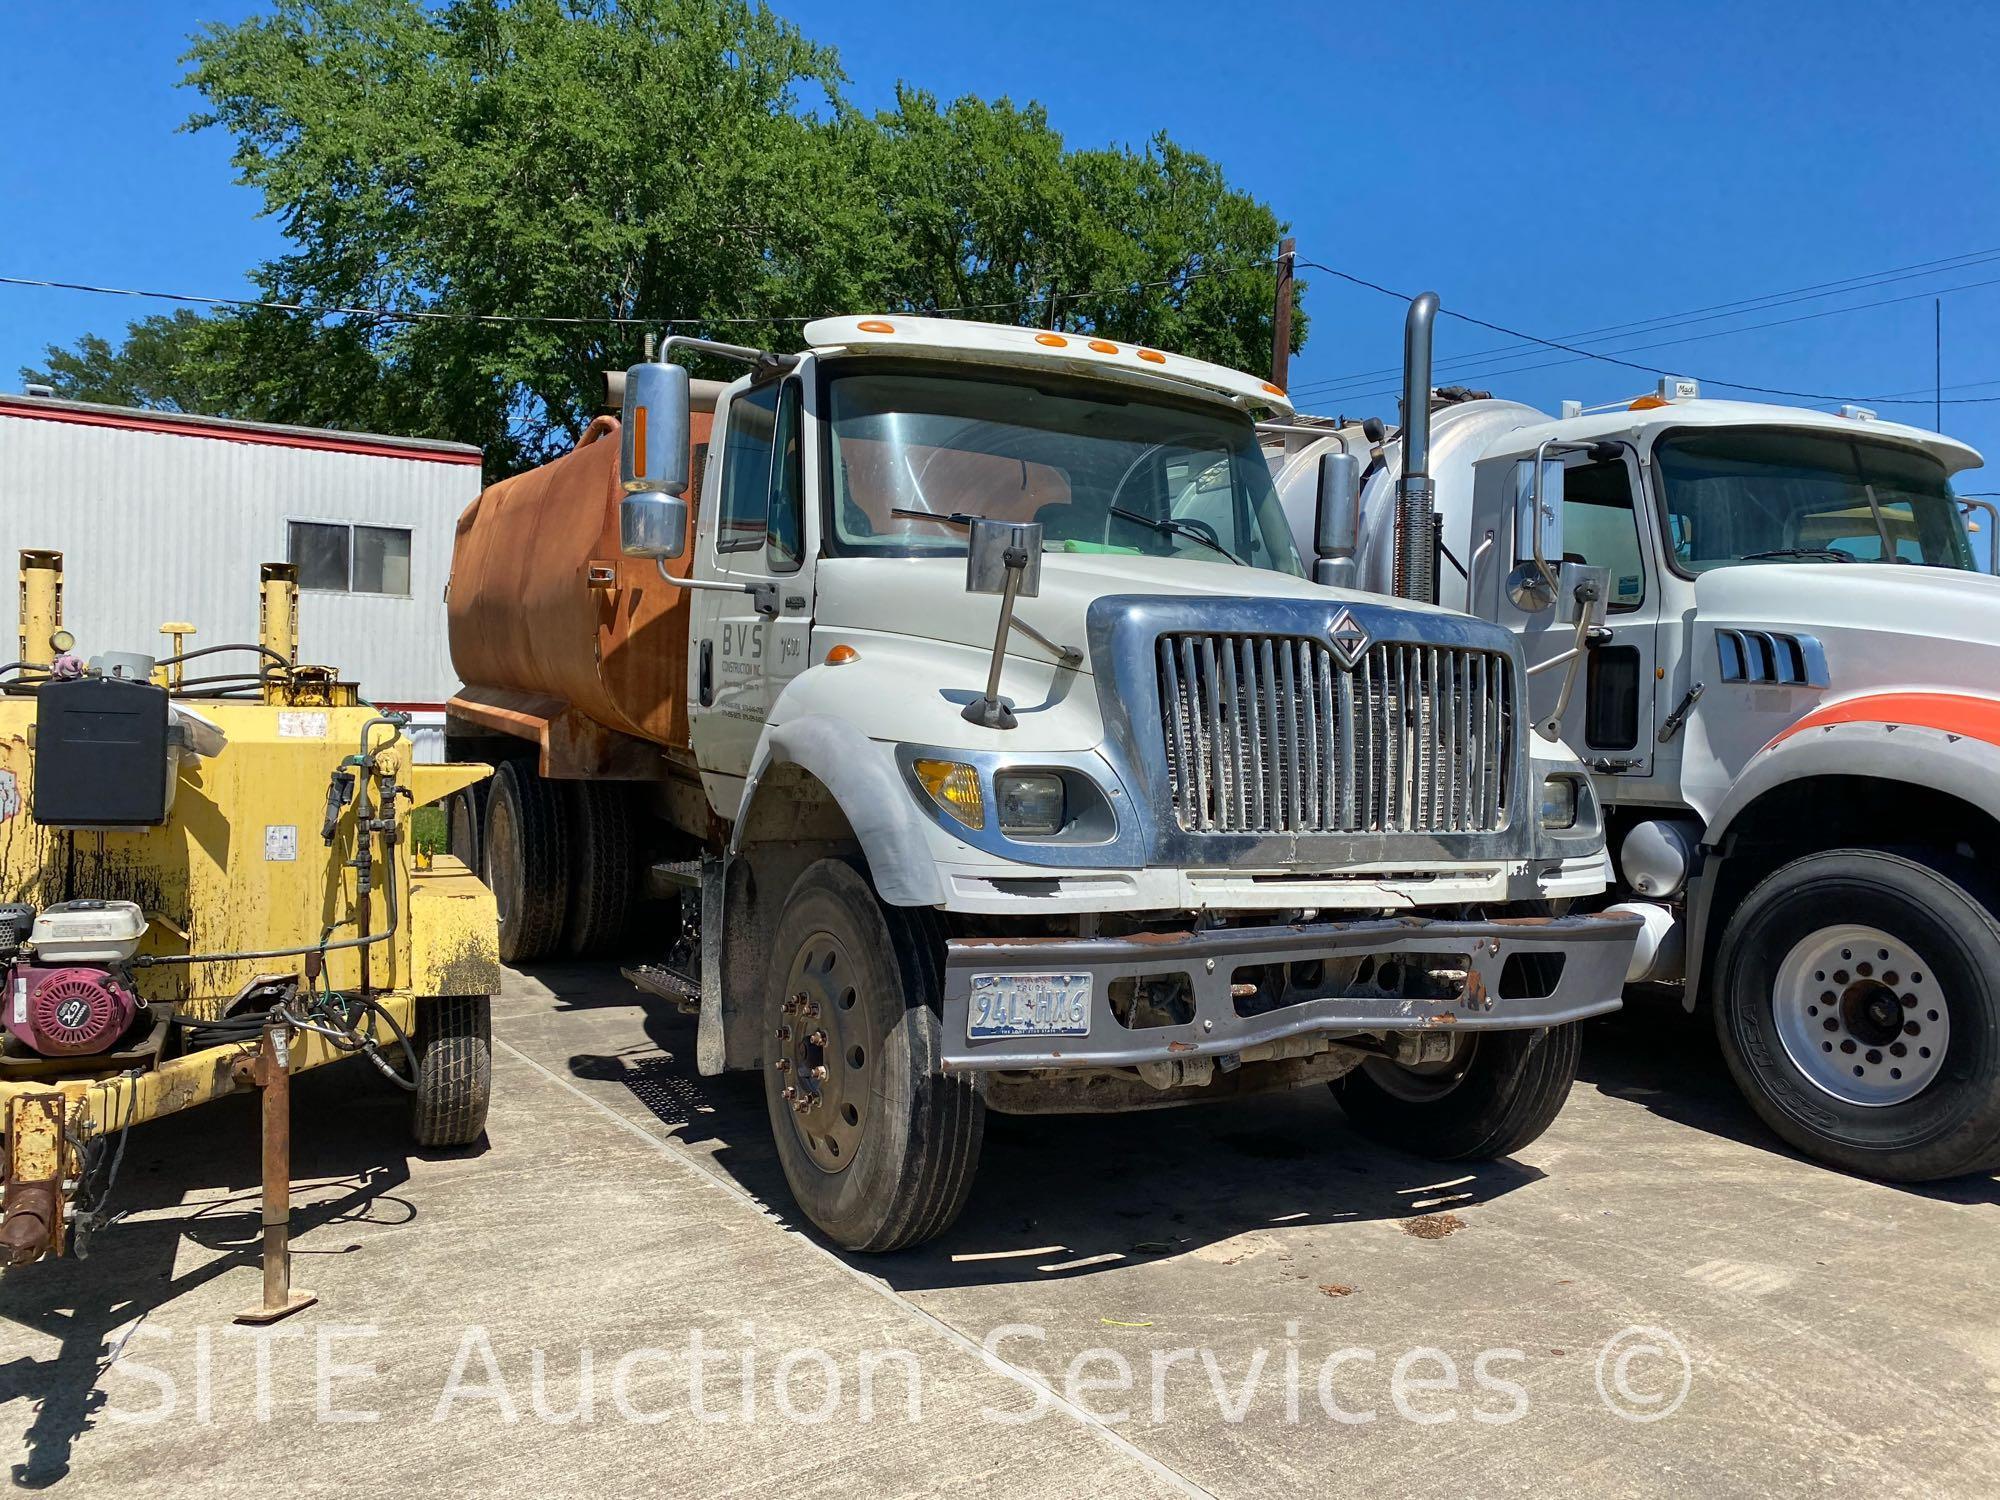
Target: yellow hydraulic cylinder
[
  {"x": 176, "y": 632},
  {"x": 41, "y": 605}
]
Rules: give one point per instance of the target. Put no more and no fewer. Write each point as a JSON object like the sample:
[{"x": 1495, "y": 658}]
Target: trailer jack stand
[{"x": 271, "y": 1071}]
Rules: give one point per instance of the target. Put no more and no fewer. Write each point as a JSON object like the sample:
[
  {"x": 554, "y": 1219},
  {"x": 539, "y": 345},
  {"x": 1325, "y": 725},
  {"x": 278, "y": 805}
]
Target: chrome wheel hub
[
  {"x": 824, "y": 1056},
  {"x": 1861, "y": 1015}
]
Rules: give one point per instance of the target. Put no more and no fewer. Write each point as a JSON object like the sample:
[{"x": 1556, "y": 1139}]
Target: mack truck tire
[
  {"x": 454, "y": 1045},
  {"x": 1857, "y": 1000},
  {"x": 524, "y": 860},
  {"x": 1497, "y": 1093},
  {"x": 603, "y": 860},
  {"x": 878, "y": 1146}
]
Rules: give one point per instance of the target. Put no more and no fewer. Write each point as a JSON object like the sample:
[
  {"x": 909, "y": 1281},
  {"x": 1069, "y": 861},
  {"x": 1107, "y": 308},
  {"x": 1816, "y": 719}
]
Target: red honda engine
[
  {"x": 68, "y": 1012},
  {"x": 68, "y": 990}
]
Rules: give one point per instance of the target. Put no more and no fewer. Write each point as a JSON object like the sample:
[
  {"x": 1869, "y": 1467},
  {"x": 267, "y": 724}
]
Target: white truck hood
[
  {"x": 1884, "y": 628},
  {"x": 925, "y": 597},
  {"x": 1926, "y": 620}
]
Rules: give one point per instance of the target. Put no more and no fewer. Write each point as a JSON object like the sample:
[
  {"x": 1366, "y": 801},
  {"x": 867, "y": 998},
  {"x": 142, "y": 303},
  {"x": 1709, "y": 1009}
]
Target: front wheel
[
  {"x": 1858, "y": 1006},
  {"x": 1497, "y": 1093},
  {"x": 878, "y": 1146}
]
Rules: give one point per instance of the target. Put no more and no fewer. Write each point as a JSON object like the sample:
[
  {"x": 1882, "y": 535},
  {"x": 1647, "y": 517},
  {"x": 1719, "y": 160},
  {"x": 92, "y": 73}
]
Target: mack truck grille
[{"x": 1269, "y": 734}]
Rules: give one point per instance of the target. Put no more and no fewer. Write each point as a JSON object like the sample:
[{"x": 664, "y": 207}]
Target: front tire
[
  {"x": 1498, "y": 1093},
  {"x": 878, "y": 1146},
  {"x": 1858, "y": 1006}
]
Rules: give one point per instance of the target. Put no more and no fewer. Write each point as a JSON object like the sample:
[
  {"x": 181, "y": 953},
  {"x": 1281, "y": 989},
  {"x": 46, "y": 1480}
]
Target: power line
[
  {"x": 1710, "y": 313},
  {"x": 1193, "y": 271},
  {"x": 1695, "y": 338},
  {"x": 1612, "y": 359}
]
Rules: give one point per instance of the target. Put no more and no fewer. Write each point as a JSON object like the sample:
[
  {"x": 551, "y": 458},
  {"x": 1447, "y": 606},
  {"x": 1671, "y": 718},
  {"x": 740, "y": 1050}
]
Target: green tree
[{"x": 683, "y": 162}]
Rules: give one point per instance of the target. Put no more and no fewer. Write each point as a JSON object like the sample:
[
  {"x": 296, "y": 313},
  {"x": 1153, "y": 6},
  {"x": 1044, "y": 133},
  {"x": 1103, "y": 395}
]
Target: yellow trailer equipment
[{"x": 250, "y": 829}]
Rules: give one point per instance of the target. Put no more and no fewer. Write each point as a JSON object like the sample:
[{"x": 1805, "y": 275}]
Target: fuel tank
[{"x": 543, "y": 604}]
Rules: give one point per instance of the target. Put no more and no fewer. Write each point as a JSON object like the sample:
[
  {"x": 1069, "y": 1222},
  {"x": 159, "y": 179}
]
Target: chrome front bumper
[{"x": 1594, "y": 950}]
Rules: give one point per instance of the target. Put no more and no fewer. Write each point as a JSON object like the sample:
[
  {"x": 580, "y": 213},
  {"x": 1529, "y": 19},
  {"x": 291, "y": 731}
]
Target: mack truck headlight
[
  {"x": 1031, "y": 803},
  {"x": 1559, "y": 799}
]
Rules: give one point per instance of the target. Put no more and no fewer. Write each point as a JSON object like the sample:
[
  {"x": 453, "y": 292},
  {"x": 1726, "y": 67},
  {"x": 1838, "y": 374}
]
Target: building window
[{"x": 343, "y": 559}]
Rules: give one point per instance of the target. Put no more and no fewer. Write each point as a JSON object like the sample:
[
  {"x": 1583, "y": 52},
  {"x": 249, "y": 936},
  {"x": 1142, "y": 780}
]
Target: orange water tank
[{"x": 542, "y": 604}]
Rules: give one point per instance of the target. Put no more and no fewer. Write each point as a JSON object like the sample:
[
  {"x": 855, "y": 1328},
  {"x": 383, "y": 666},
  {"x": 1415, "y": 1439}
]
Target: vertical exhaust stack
[{"x": 1416, "y": 496}]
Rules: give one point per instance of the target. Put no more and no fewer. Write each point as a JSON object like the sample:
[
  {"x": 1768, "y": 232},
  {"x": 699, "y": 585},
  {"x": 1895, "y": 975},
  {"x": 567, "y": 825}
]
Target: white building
[{"x": 165, "y": 517}]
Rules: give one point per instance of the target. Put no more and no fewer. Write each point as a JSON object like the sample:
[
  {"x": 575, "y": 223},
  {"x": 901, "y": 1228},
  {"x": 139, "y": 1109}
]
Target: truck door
[
  {"x": 745, "y": 647},
  {"x": 1610, "y": 718}
]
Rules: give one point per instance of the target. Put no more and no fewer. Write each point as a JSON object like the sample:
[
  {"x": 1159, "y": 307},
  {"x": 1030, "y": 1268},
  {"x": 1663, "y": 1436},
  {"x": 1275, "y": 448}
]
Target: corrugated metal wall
[{"x": 163, "y": 526}]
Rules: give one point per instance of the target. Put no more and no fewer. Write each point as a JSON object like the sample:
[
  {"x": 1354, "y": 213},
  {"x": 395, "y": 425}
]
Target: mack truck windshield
[
  {"x": 943, "y": 715},
  {"x": 1767, "y": 632}
]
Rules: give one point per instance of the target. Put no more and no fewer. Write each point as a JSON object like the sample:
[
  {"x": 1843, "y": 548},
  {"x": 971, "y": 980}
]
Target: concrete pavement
[{"x": 1240, "y": 1300}]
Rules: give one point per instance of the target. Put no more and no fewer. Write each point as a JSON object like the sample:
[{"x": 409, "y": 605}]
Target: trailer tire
[
  {"x": 1898, "y": 1077},
  {"x": 524, "y": 860},
  {"x": 885, "y": 1154},
  {"x": 602, "y": 867},
  {"x": 454, "y": 1044},
  {"x": 1498, "y": 1093}
]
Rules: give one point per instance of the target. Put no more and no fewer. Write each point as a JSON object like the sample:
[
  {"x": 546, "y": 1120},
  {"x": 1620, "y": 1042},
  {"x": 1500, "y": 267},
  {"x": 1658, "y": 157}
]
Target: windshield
[
  {"x": 1104, "y": 469},
  {"x": 1750, "y": 495}
]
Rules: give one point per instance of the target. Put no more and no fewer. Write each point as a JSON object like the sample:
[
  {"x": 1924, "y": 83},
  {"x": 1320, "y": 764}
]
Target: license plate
[{"x": 1028, "y": 1005}]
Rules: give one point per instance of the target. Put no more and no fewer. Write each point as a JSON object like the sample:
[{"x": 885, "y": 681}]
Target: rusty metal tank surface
[{"x": 545, "y": 613}]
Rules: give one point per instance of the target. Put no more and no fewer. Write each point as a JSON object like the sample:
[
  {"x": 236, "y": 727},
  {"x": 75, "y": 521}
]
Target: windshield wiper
[
  {"x": 1172, "y": 527},
  {"x": 1828, "y": 552}
]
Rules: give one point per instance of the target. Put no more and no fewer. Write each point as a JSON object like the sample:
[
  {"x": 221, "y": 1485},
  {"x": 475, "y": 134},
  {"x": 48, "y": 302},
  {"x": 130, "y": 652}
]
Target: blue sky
[{"x": 1555, "y": 167}]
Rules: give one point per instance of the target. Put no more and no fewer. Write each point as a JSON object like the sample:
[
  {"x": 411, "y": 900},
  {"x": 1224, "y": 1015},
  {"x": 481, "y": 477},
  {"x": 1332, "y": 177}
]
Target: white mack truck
[
  {"x": 1011, "y": 760},
  {"x": 1764, "y": 631}
]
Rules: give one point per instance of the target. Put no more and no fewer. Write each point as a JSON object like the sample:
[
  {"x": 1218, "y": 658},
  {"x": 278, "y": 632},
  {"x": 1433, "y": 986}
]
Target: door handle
[{"x": 704, "y": 681}]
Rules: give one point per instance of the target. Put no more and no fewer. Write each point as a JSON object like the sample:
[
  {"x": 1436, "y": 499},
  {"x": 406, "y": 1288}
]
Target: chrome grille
[{"x": 1268, "y": 734}]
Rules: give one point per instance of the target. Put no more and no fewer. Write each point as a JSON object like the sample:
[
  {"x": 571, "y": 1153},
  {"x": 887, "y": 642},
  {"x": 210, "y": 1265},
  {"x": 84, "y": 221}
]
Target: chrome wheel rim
[
  {"x": 1861, "y": 1015},
  {"x": 824, "y": 1057}
]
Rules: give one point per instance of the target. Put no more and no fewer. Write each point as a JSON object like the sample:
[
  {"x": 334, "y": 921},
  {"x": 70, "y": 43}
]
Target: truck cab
[
  {"x": 1785, "y": 693},
  {"x": 1025, "y": 768}
]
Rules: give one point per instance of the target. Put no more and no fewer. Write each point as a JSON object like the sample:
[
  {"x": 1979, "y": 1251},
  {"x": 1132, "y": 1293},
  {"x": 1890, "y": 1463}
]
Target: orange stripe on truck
[{"x": 1950, "y": 713}]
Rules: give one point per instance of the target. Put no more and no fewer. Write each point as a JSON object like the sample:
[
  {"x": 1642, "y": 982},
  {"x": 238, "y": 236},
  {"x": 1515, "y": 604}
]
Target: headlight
[
  {"x": 1559, "y": 802},
  {"x": 954, "y": 786},
  {"x": 1030, "y": 802}
]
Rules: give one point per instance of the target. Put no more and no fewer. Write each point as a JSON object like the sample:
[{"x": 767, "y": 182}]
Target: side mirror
[
  {"x": 652, "y": 525},
  {"x": 653, "y": 440},
  {"x": 1538, "y": 512},
  {"x": 653, "y": 462},
  {"x": 1337, "y": 519},
  {"x": 997, "y": 549}
]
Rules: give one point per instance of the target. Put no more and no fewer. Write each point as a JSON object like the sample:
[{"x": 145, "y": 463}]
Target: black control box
[{"x": 101, "y": 754}]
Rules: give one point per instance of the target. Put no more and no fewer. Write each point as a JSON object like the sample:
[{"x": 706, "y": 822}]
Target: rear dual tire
[{"x": 561, "y": 859}]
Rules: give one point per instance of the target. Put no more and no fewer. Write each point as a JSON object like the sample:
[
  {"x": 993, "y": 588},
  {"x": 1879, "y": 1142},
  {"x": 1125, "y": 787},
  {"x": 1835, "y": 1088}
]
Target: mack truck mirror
[
  {"x": 1538, "y": 533},
  {"x": 1337, "y": 522},
  {"x": 653, "y": 461},
  {"x": 1004, "y": 558}
]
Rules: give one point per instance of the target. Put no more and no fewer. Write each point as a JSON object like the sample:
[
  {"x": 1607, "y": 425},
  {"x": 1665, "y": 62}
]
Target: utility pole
[
  {"x": 1281, "y": 317},
  {"x": 1055, "y": 307},
  {"x": 1937, "y": 362}
]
